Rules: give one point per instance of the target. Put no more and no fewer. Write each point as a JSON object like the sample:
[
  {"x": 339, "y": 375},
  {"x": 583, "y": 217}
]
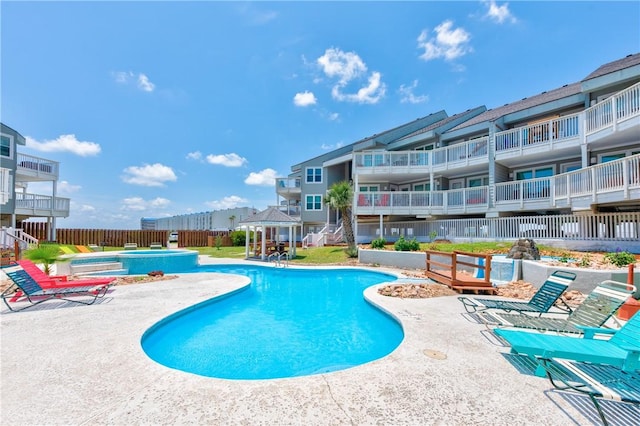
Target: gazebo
[{"x": 272, "y": 217}]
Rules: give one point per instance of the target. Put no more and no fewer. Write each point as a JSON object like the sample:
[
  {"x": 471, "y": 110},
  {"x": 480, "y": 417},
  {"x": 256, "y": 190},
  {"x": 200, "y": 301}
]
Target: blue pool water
[{"x": 287, "y": 323}]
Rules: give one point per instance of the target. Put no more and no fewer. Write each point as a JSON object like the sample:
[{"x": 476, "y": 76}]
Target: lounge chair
[
  {"x": 598, "y": 381},
  {"x": 31, "y": 292},
  {"x": 540, "y": 303},
  {"x": 621, "y": 350},
  {"x": 47, "y": 281},
  {"x": 594, "y": 311}
]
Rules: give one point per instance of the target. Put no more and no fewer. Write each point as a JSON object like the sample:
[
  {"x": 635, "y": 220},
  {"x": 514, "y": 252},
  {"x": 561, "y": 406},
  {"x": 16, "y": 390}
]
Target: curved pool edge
[{"x": 190, "y": 308}]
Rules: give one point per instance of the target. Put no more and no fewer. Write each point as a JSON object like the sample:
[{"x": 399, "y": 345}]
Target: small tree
[
  {"x": 47, "y": 254},
  {"x": 340, "y": 197}
]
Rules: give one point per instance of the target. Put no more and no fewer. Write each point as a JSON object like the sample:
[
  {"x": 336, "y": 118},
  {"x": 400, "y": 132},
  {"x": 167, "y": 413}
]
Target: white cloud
[
  {"x": 370, "y": 94},
  {"x": 227, "y": 202},
  {"x": 266, "y": 177},
  {"x": 196, "y": 155},
  {"x": 65, "y": 143},
  {"x": 86, "y": 208},
  {"x": 344, "y": 65},
  {"x": 144, "y": 84},
  {"x": 348, "y": 67},
  {"x": 149, "y": 175},
  {"x": 304, "y": 99},
  {"x": 499, "y": 14},
  {"x": 140, "y": 80},
  {"x": 334, "y": 116},
  {"x": 134, "y": 203},
  {"x": 409, "y": 97},
  {"x": 65, "y": 187},
  {"x": 140, "y": 204},
  {"x": 449, "y": 43},
  {"x": 327, "y": 147},
  {"x": 227, "y": 160}
]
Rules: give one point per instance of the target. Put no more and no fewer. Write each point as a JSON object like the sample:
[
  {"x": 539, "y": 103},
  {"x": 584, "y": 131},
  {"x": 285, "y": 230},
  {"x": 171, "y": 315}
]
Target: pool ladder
[{"x": 278, "y": 259}]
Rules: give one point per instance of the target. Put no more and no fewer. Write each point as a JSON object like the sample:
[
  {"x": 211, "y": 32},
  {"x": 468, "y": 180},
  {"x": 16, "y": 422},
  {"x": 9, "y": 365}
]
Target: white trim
[
  {"x": 306, "y": 176},
  {"x": 314, "y": 202}
]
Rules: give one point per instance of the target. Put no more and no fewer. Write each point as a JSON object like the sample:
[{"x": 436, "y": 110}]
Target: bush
[
  {"x": 404, "y": 245},
  {"x": 238, "y": 238},
  {"x": 352, "y": 252},
  {"x": 378, "y": 243},
  {"x": 620, "y": 258}
]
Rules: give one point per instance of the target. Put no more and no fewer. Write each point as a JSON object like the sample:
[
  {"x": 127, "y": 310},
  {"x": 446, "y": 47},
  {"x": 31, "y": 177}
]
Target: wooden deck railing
[{"x": 446, "y": 272}]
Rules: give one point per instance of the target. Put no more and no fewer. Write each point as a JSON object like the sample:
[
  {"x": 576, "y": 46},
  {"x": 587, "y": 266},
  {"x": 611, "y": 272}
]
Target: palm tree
[
  {"x": 340, "y": 197},
  {"x": 48, "y": 254}
]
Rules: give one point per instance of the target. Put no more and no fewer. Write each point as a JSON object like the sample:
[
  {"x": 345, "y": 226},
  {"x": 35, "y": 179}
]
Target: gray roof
[
  {"x": 271, "y": 216},
  {"x": 617, "y": 65},
  {"x": 542, "y": 98},
  {"x": 436, "y": 124}
]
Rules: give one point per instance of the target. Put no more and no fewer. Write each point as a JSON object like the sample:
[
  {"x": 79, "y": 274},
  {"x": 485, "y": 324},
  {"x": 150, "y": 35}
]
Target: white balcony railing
[
  {"x": 614, "y": 110},
  {"x": 619, "y": 177},
  {"x": 40, "y": 204},
  {"x": 288, "y": 183},
  {"x": 547, "y": 132},
  {"x": 36, "y": 166}
]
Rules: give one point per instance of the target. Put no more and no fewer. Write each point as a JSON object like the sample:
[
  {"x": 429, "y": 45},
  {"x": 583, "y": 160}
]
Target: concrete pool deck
[{"x": 84, "y": 365}]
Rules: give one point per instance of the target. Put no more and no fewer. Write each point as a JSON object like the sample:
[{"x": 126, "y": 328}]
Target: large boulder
[{"x": 524, "y": 248}]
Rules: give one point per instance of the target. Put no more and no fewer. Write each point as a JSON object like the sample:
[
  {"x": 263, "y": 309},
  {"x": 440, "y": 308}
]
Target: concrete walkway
[{"x": 84, "y": 365}]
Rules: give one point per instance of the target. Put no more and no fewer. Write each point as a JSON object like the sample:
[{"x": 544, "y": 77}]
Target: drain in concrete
[{"x": 432, "y": 353}]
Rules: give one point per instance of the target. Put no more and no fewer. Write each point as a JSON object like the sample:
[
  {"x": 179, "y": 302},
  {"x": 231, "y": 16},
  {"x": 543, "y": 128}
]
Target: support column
[{"x": 246, "y": 242}]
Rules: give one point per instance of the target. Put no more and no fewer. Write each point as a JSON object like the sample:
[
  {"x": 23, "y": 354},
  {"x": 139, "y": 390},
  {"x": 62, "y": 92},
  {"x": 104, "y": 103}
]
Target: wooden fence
[{"x": 119, "y": 237}]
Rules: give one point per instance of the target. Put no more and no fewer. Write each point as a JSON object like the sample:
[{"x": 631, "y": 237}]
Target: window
[
  {"x": 368, "y": 188},
  {"x": 477, "y": 181},
  {"x": 5, "y": 146},
  {"x": 422, "y": 187},
  {"x": 314, "y": 175},
  {"x": 313, "y": 202}
]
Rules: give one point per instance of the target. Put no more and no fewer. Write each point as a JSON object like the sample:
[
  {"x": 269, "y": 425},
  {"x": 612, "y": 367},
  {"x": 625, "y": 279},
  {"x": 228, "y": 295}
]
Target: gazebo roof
[{"x": 272, "y": 216}]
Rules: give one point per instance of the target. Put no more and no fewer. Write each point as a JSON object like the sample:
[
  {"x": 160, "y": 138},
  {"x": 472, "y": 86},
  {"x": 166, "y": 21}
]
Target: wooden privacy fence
[{"x": 120, "y": 237}]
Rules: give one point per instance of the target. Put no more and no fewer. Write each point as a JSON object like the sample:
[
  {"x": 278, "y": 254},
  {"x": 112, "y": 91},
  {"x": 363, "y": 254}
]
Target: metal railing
[
  {"x": 288, "y": 183},
  {"x": 613, "y": 110}
]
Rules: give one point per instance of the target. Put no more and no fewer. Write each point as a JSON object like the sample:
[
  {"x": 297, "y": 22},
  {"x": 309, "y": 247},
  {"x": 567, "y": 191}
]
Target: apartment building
[
  {"x": 217, "y": 220},
  {"x": 564, "y": 163},
  {"x": 17, "y": 203}
]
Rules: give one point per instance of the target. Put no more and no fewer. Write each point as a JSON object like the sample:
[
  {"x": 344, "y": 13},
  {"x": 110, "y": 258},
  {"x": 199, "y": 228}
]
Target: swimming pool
[{"x": 287, "y": 323}]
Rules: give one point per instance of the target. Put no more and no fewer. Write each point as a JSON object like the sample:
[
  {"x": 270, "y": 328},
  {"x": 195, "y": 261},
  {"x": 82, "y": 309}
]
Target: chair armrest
[
  {"x": 590, "y": 332},
  {"x": 58, "y": 277}
]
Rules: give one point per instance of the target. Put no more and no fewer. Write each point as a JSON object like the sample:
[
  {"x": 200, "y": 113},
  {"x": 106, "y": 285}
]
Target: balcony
[
  {"x": 289, "y": 188},
  {"x": 31, "y": 169},
  {"x": 560, "y": 135},
  {"x": 421, "y": 203},
  {"x": 41, "y": 205},
  {"x": 616, "y": 117},
  {"x": 615, "y": 181},
  {"x": 470, "y": 155}
]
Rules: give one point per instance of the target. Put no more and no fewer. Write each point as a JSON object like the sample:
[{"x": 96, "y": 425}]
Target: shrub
[
  {"x": 238, "y": 238},
  {"x": 218, "y": 242},
  {"x": 620, "y": 258},
  {"x": 433, "y": 235},
  {"x": 351, "y": 251},
  {"x": 404, "y": 245},
  {"x": 378, "y": 243}
]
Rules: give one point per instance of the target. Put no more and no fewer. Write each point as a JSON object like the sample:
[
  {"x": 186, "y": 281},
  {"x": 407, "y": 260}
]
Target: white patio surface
[{"x": 85, "y": 365}]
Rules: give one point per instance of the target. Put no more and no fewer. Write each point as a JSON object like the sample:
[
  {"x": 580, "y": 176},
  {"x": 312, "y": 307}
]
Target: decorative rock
[{"x": 524, "y": 248}]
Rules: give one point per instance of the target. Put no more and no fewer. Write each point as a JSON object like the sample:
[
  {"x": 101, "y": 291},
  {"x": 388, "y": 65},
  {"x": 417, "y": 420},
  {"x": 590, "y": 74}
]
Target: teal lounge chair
[
  {"x": 594, "y": 311},
  {"x": 598, "y": 381},
  {"x": 621, "y": 350},
  {"x": 540, "y": 303},
  {"x": 33, "y": 294}
]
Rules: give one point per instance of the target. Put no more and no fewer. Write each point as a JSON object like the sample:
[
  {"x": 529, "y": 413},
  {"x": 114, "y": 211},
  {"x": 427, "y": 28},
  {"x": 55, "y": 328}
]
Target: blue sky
[{"x": 157, "y": 109}]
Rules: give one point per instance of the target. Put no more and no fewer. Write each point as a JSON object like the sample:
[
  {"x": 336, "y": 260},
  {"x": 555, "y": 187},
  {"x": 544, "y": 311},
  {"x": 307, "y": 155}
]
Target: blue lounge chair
[
  {"x": 594, "y": 311},
  {"x": 621, "y": 350},
  {"x": 26, "y": 289},
  {"x": 598, "y": 381},
  {"x": 540, "y": 303}
]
